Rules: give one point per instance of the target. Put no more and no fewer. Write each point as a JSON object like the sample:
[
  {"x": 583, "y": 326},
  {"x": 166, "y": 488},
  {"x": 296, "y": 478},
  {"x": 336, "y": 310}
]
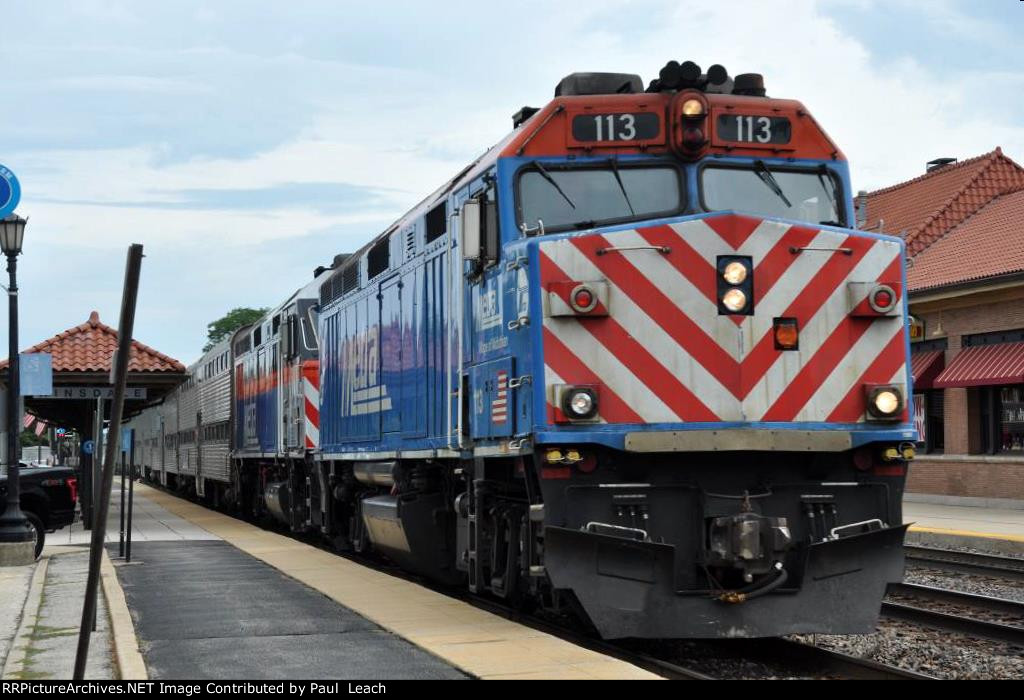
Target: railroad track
[
  {"x": 1009, "y": 568},
  {"x": 826, "y": 663},
  {"x": 788, "y": 656},
  {"x": 908, "y": 608}
]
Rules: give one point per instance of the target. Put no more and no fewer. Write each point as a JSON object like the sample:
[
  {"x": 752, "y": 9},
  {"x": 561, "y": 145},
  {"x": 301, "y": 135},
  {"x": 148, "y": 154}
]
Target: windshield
[
  {"x": 806, "y": 195},
  {"x": 584, "y": 197}
]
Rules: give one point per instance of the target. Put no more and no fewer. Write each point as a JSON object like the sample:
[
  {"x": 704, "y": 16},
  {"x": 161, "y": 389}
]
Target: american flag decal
[
  {"x": 665, "y": 355},
  {"x": 499, "y": 407}
]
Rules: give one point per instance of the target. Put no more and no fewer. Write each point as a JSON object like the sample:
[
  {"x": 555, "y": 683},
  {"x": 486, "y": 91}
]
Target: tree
[
  {"x": 28, "y": 438},
  {"x": 230, "y": 322}
]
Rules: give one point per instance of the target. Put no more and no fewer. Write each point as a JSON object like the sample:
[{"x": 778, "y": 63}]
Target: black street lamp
[{"x": 14, "y": 527}]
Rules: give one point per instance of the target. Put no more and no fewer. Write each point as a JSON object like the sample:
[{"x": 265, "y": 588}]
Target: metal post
[
  {"x": 131, "y": 499},
  {"x": 125, "y": 328},
  {"x": 97, "y": 451},
  {"x": 14, "y": 527},
  {"x": 85, "y": 468},
  {"x": 120, "y": 543}
]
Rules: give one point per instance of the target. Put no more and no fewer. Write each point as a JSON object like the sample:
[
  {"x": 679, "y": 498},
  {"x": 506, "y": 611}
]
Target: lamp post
[{"x": 14, "y": 527}]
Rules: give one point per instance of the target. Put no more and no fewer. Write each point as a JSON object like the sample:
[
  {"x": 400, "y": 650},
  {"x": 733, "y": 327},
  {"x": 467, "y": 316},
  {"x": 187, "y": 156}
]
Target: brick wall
[
  {"x": 982, "y": 312},
  {"x": 978, "y": 479}
]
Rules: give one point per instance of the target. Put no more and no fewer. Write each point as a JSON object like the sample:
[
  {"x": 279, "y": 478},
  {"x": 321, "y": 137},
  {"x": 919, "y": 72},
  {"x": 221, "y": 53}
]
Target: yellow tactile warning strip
[
  {"x": 477, "y": 642},
  {"x": 129, "y": 661},
  {"x": 968, "y": 533}
]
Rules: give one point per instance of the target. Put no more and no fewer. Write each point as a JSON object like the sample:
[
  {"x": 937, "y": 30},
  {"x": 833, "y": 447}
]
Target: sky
[{"x": 246, "y": 143}]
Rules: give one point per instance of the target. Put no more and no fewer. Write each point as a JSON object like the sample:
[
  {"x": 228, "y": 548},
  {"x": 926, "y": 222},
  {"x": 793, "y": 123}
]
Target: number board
[
  {"x": 627, "y": 126},
  {"x": 747, "y": 128}
]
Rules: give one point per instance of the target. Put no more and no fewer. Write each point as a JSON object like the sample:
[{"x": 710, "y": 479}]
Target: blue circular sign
[
  {"x": 88, "y": 446},
  {"x": 10, "y": 191}
]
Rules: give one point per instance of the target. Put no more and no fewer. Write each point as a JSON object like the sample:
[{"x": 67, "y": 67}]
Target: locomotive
[{"x": 634, "y": 362}]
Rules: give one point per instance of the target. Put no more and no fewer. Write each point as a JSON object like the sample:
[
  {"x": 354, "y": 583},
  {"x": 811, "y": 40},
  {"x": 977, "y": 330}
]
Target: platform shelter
[{"x": 82, "y": 390}]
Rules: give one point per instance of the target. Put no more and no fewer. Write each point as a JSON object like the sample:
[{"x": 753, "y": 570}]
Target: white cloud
[{"x": 403, "y": 127}]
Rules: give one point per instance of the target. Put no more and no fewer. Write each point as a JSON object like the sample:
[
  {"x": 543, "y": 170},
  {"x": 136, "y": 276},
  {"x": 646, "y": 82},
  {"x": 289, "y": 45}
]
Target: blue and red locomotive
[{"x": 634, "y": 361}]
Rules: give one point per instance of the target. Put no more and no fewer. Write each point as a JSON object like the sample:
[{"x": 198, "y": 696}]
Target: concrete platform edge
[
  {"x": 15, "y": 663},
  {"x": 956, "y": 539},
  {"x": 963, "y": 501},
  {"x": 127, "y": 657}
]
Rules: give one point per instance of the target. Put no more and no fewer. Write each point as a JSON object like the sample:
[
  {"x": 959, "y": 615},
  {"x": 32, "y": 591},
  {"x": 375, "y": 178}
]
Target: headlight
[
  {"x": 579, "y": 403},
  {"x": 884, "y": 402},
  {"x": 693, "y": 108},
  {"x": 735, "y": 273},
  {"x": 887, "y": 402},
  {"x": 734, "y": 300}
]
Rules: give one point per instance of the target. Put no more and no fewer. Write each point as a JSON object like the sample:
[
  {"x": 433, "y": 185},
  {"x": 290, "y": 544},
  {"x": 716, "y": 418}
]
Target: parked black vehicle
[{"x": 48, "y": 496}]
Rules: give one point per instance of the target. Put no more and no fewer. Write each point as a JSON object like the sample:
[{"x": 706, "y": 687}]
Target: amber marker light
[{"x": 787, "y": 334}]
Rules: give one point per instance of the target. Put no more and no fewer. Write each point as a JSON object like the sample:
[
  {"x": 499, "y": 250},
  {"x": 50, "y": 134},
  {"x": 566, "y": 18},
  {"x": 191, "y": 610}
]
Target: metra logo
[
  {"x": 488, "y": 310},
  {"x": 361, "y": 391}
]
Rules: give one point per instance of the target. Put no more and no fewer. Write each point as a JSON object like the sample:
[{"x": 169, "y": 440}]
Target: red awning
[
  {"x": 925, "y": 366},
  {"x": 985, "y": 365}
]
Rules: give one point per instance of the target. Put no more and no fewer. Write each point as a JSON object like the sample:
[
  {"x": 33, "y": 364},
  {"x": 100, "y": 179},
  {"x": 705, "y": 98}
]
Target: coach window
[
  {"x": 585, "y": 196},
  {"x": 771, "y": 190}
]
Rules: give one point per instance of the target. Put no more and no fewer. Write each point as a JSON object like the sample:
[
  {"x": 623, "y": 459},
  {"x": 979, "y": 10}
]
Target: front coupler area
[{"x": 627, "y": 588}]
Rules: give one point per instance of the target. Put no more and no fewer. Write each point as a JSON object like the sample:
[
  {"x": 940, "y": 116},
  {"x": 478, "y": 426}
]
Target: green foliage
[
  {"x": 29, "y": 438},
  {"x": 230, "y": 322}
]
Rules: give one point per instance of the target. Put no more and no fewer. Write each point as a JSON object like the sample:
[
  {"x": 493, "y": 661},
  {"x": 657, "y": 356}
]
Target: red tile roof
[
  {"x": 88, "y": 348},
  {"x": 924, "y": 209},
  {"x": 988, "y": 244}
]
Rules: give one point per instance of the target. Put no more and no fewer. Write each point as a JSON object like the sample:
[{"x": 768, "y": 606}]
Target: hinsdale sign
[{"x": 95, "y": 392}]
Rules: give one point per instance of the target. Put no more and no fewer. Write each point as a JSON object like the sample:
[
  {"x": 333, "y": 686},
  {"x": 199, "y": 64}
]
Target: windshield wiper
[
  {"x": 830, "y": 191},
  {"x": 768, "y": 179},
  {"x": 544, "y": 174},
  {"x": 615, "y": 171}
]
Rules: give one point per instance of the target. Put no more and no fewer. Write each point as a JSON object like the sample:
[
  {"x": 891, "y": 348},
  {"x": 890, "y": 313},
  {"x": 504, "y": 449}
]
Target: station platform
[
  {"x": 996, "y": 530},
  {"x": 214, "y": 597}
]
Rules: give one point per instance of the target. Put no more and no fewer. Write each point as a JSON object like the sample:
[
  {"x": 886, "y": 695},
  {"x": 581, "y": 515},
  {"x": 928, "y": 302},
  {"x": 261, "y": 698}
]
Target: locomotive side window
[
  {"x": 437, "y": 221},
  {"x": 567, "y": 198},
  {"x": 804, "y": 195},
  {"x": 378, "y": 259},
  {"x": 489, "y": 221}
]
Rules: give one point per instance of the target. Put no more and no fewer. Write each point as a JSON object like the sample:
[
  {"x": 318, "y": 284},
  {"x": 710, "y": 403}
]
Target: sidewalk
[
  {"x": 47, "y": 633},
  {"x": 41, "y": 606}
]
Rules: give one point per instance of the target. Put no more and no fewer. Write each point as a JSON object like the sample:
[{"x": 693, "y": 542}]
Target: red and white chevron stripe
[
  {"x": 311, "y": 392},
  {"x": 664, "y": 354}
]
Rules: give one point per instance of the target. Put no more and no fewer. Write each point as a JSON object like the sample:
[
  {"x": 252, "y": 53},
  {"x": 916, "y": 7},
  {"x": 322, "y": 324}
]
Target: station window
[
  {"x": 1001, "y": 407},
  {"x": 1002, "y": 419},
  {"x": 934, "y": 421}
]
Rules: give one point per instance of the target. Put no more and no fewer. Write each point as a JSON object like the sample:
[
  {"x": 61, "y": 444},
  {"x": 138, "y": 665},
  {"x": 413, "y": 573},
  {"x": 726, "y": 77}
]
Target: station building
[{"x": 963, "y": 223}]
